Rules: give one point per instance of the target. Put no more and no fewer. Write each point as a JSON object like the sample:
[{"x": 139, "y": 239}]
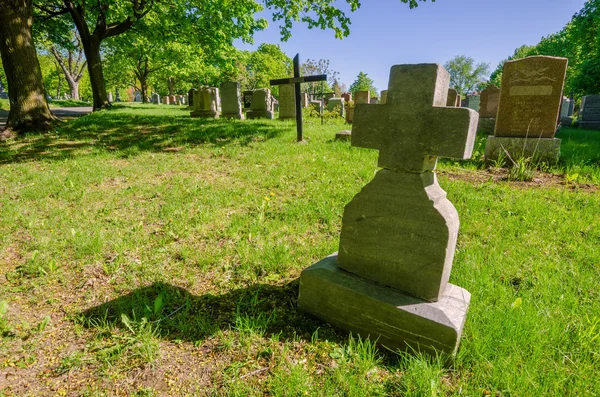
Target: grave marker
[
  {"x": 389, "y": 281},
  {"x": 590, "y": 112},
  {"x": 287, "y": 102},
  {"x": 231, "y": 100}
]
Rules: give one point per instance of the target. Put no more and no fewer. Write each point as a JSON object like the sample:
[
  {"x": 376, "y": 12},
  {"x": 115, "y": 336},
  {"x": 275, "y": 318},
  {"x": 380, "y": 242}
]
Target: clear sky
[{"x": 387, "y": 32}]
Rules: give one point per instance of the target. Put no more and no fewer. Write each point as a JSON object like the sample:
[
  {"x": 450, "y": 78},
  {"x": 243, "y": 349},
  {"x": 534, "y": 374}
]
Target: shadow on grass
[
  {"x": 134, "y": 132},
  {"x": 262, "y": 308}
]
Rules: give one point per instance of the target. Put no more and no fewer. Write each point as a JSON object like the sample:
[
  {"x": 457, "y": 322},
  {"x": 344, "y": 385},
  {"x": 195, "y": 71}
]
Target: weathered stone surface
[
  {"x": 452, "y": 97},
  {"x": 287, "y": 102},
  {"x": 336, "y": 102},
  {"x": 349, "y": 115},
  {"x": 486, "y": 126},
  {"x": 388, "y": 316},
  {"x": 374, "y": 100},
  {"x": 155, "y": 99},
  {"x": 488, "y": 102},
  {"x": 537, "y": 149},
  {"x": 165, "y": 100},
  {"x": 206, "y": 103},
  {"x": 262, "y": 105},
  {"x": 473, "y": 102},
  {"x": 173, "y": 100},
  {"x": 344, "y": 135},
  {"x": 362, "y": 97},
  {"x": 347, "y": 96},
  {"x": 564, "y": 107},
  {"x": 590, "y": 112},
  {"x": 530, "y": 97},
  {"x": 383, "y": 97},
  {"x": 567, "y": 121},
  {"x": 231, "y": 100}
]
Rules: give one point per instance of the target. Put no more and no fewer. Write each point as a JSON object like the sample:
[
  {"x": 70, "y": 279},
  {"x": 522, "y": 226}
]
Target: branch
[{"x": 51, "y": 13}]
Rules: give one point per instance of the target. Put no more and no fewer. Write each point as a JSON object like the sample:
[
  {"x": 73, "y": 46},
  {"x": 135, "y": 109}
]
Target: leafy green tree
[
  {"x": 363, "y": 83},
  {"x": 313, "y": 67},
  {"x": 266, "y": 63},
  {"x": 465, "y": 75}
]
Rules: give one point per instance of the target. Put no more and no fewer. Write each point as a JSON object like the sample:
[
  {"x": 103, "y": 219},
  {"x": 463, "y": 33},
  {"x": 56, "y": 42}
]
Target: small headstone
[
  {"x": 305, "y": 100},
  {"x": 247, "y": 97},
  {"x": 473, "y": 102},
  {"x": 344, "y": 135},
  {"x": 362, "y": 97},
  {"x": 138, "y": 97},
  {"x": 117, "y": 97},
  {"x": 287, "y": 102},
  {"x": 262, "y": 105},
  {"x": 156, "y": 98},
  {"x": 347, "y": 96},
  {"x": 165, "y": 100},
  {"x": 336, "y": 102},
  {"x": 206, "y": 103},
  {"x": 173, "y": 100},
  {"x": 452, "y": 97},
  {"x": 110, "y": 97},
  {"x": 383, "y": 97},
  {"x": 564, "y": 107},
  {"x": 374, "y": 100},
  {"x": 488, "y": 102},
  {"x": 231, "y": 100},
  {"x": 317, "y": 105},
  {"x": 389, "y": 280},
  {"x": 328, "y": 96},
  {"x": 589, "y": 116},
  {"x": 529, "y": 108},
  {"x": 181, "y": 99}
]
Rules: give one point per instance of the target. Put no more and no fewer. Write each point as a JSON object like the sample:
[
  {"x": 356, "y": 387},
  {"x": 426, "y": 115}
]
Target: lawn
[{"x": 146, "y": 253}]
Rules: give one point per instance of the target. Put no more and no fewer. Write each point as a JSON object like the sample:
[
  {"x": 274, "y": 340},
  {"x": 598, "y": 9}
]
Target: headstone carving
[
  {"x": 262, "y": 105},
  {"x": 206, "y": 103},
  {"x": 287, "y": 102},
  {"x": 529, "y": 108},
  {"x": 231, "y": 100},
  {"x": 389, "y": 280}
]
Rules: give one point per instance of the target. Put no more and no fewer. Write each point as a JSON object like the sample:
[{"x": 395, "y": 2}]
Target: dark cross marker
[{"x": 297, "y": 80}]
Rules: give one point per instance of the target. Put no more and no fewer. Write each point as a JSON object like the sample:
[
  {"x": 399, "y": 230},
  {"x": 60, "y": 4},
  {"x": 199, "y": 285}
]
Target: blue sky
[{"x": 386, "y": 32}]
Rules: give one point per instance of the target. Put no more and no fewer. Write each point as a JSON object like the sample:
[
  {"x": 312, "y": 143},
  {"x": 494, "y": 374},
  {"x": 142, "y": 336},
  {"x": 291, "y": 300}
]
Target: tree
[
  {"x": 313, "y": 67},
  {"x": 363, "y": 83},
  {"x": 71, "y": 61},
  {"x": 268, "y": 62},
  {"x": 465, "y": 76},
  {"x": 28, "y": 106}
]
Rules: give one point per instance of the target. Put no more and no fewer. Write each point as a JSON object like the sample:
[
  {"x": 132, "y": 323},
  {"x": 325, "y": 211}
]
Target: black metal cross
[{"x": 297, "y": 80}]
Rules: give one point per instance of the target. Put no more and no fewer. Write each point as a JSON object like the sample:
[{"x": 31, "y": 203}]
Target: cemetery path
[{"x": 61, "y": 113}]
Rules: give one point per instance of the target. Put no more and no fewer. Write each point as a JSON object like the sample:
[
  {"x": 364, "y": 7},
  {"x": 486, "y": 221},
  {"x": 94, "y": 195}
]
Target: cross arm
[{"x": 457, "y": 128}]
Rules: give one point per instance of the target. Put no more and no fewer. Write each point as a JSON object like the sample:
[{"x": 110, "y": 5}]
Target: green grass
[
  {"x": 68, "y": 103},
  {"x": 4, "y": 104},
  {"x": 147, "y": 253}
]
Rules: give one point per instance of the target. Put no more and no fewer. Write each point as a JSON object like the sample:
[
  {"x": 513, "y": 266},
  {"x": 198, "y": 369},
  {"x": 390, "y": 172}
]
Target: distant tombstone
[
  {"x": 528, "y": 112},
  {"x": 564, "y": 107},
  {"x": 374, "y": 100},
  {"x": 262, "y": 105},
  {"x": 231, "y": 100},
  {"x": 336, "y": 102},
  {"x": 488, "y": 102},
  {"x": 305, "y": 100},
  {"x": 173, "y": 100},
  {"x": 181, "y": 99},
  {"x": 138, "y": 97},
  {"x": 317, "y": 105},
  {"x": 589, "y": 115},
  {"x": 247, "y": 98},
  {"x": 117, "y": 96},
  {"x": 206, "y": 103},
  {"x": 347, "y": 96},
  {"x": 287, "y": 102},
  {"x": 165, "y": 100},
  {"x": 452, "y": 97},
  {"x": 389, "y": 279},
  {"x": 344, "y": 135},
  {"x": 362, "y": 97},
  {"x": 110, "y": 97},
  {"x": 156, "y": 99},
  {"x": 383, "y": 97},
  {"x": 328, "y": 96},
  {"x": 473, "y": 102}
]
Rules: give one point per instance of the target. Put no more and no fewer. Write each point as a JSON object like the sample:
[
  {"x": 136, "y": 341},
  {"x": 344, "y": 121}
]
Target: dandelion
[
  {"x": 272, "y": 194},
  {"x": 267, "y": 198}
]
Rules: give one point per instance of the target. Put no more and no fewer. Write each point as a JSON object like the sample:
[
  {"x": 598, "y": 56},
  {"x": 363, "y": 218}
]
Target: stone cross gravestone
[
  {"x": 452, "y": 97},
  {"x": 529, "y": 108},
  {"x": 590, "y": 112},
  {"x": 389, "y": 280},
  {"x": 231, "y": 100},
  {"x": 287, "y": 102},
  {"x": 206, "y": 103},
  {"x": 262, "y": 105},
  {"x": 362, "y": 97},
  {"x": 488, "y": 102}
]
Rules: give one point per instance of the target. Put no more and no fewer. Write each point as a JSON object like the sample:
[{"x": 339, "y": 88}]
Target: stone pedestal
[
  {"x": 345, "y": 135},
  {"x": 589, "y": 125},
  {"x": 396, "y": 320},
  {"x": 538, "y": 149}
]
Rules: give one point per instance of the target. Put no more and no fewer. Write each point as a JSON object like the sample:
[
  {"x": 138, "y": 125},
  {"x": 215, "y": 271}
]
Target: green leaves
[
  {"x": 465, "y": 76},
  {"x": 363, "y": 83}
]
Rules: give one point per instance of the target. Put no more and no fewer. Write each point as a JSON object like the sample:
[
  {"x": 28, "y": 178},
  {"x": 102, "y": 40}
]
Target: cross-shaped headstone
[
  {"x": 297, "y": 80},
  {"x": 414, "y": 127}
]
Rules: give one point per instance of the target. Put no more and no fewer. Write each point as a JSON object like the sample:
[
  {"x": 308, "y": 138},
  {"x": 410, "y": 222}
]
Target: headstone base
[
  {"x": 259, "y": 114},
  {"x": 589, "y": 125},
  {"x": 386, "y": 315},
  {"x": 567, "y": 121},
  {"x": 345, "y": 135},
  {"x": 538, "y": 149},
  {"x": 239, "y": 116},
  {"x": 205, "y": 114}
]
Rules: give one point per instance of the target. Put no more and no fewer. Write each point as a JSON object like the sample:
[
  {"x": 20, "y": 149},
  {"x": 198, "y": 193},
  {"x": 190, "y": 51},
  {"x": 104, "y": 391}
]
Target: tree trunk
[
  {"x": 171, "y": 86},
  {"x": 28, "y": 106},
  {"x": 74, "y": 86},
  {"x": 94, "y": 64},
  {"x": 59, "y": 87}
]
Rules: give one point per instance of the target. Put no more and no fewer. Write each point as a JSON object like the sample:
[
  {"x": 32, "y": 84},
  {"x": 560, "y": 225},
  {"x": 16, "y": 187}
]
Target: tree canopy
[
  {"x": 363, "y": 83},
  {"x": 465, "y": 75}
]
